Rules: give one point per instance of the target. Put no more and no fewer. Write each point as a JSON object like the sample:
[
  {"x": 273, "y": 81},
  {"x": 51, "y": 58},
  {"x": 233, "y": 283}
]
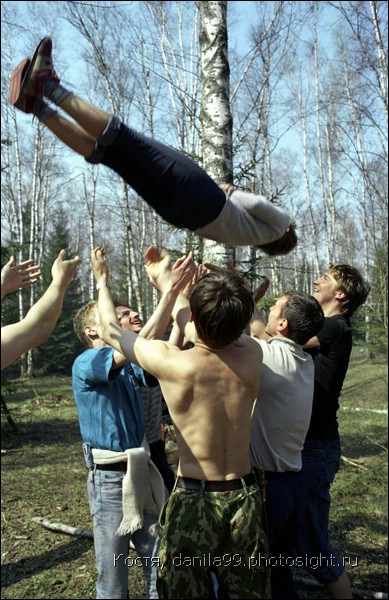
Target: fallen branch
[
  {"x": 68, "y": 529},
  {"x": 353, "y": 463},
  {"x": 377, "y": 444},
  {"x": 358, "y": 593},
  {"x": 62, "y": 528}
]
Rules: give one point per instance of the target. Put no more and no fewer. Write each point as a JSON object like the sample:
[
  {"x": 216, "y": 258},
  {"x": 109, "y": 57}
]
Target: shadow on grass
[
  {"x": 28, "y": 567},
  {"x": 357, "y": 446},
  {"x": 38, "y": 433},
  {"x": 355, "y": 521}
]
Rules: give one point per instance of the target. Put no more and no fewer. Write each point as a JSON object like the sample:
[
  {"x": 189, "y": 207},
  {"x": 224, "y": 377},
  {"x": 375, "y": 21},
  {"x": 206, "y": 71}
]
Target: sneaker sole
[
  {"x": 23, "y": 71},
  {"x": 18, "y": 76}
]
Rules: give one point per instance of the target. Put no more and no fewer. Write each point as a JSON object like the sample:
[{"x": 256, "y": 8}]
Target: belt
[
  {"x": 119, "y": 466},
  {"x": 187, "y": 483}
]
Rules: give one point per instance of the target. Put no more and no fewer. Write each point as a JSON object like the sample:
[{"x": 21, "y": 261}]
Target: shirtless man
[{"x": 213, "y": 521}]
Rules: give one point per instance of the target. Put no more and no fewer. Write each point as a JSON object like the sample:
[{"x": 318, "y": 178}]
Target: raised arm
[
  {"x": 39, "y": 322},
  {"x": 14, "y": 277},
  {"x": 157, "y": 265},
  {"x": 122, "y": 340},
  {"x": 178, "y": 276}
]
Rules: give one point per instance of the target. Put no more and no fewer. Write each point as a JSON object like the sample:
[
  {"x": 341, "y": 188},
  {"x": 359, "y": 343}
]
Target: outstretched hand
[
  {"x": 63, "y": 270},
  {"x": 157, "y": 267},
  {"x": 183, "y": 271},
  {"x": 14, "y": 277},
  {"x": 261, "y": 290},
  {"x": 99, "y": 265}
]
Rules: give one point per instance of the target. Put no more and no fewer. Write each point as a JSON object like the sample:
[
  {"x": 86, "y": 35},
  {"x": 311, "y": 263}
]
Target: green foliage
[{"x": 378, "y": 299}]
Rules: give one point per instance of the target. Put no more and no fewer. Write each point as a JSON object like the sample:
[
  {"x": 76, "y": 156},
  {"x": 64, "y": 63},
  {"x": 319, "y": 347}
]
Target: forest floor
[{"x": 43, "y": 475}]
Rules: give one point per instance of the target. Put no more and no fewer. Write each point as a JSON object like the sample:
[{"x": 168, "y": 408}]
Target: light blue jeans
[{"x": 112, "y": 559}]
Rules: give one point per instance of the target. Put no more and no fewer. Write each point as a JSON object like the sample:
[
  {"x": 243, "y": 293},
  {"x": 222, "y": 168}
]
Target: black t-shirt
[{"x": 331, "y": 364}]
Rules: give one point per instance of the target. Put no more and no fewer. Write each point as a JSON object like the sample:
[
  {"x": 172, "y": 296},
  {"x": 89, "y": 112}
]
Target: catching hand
[
  {"x": 99, "y": 265},
  {"x": 14, "y": 277}
]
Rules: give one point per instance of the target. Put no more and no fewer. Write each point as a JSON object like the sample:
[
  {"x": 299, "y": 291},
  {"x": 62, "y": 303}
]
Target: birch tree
[{"x": 215, "y": 118}]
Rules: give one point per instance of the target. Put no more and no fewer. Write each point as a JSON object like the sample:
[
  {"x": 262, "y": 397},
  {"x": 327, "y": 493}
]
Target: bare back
[{"x": 210, "y": 395}]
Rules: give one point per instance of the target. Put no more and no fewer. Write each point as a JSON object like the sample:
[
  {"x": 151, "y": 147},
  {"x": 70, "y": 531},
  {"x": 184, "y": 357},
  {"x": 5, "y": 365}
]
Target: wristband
[{"x": 101, "y": 285}]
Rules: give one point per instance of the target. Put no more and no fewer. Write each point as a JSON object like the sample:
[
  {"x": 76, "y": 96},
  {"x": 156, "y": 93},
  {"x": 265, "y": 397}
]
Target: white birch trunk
[
  {"x": 216, "y": 119},
  {"x": 319, "y": 144}
]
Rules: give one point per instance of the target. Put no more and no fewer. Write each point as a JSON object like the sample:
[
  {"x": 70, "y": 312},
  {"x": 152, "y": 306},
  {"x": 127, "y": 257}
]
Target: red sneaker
[
  {"x": 28, "y": 79},
  {"x": 41, "y": 69},
  {"x": 17, "y": 92}
]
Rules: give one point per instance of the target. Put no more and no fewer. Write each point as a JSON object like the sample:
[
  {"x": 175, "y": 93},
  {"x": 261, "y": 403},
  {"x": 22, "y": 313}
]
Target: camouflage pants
[{"x": 223, "y": 532}]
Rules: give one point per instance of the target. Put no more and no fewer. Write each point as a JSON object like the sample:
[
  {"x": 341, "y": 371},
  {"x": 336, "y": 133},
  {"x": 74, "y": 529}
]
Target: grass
[{"x": 43, "y": 475}]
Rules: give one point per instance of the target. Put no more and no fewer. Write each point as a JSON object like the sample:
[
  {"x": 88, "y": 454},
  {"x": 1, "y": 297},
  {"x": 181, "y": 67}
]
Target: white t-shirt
[
  {"x": 247, "y": 220},
  {"x": 282, "y": 411}
]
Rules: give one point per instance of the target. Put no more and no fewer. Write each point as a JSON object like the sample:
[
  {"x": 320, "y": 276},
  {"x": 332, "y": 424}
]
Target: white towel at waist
[{"x": 141, "y": 493}]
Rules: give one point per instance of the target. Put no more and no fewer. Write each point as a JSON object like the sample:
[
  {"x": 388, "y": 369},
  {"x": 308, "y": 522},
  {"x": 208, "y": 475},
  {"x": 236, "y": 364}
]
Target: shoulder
[
  {"x": 333, "y": 327},
  {"x": 250, "y": 348},
  {"x": 259, "y": 344},
  {"x": 94, "y": 354},
  {"x": 157, "y": 356},
  {"x": 277, "y": 350},
  {"x": 94, "y": 363}
]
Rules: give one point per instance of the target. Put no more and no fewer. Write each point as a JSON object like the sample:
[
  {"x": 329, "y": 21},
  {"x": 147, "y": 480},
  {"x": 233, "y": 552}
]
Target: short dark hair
[
  {"x": 221, "y": 307},
  {"x": 283, "y": 245},
  {"x": 353, "y": 285},
  {"x": 304, "y": 315}
]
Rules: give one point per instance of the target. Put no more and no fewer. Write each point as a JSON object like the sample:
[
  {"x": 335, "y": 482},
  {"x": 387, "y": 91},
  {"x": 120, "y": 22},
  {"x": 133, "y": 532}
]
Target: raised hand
[
  {"x": 99, "y": 265},
  {"x": 158, "y": 267},
  {"x": 14, "y": 277},
  {"x": 63, "y": 270},
  {"x": 182, "y": 272},
  {"x": 261, "y": 290}
]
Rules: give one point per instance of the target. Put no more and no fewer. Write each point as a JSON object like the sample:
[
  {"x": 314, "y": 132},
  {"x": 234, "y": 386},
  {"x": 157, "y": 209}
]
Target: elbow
[
  {"x": 105, "y": 334},
  {"x": 42, "y": 334}
]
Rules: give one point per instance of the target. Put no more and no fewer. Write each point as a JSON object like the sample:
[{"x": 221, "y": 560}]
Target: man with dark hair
[
  {"x": 178, "y": 189},
  {"x": 213, "y": 521},
  {"x": 340, "y": 291},
  {"x": 280, "y": 421}
]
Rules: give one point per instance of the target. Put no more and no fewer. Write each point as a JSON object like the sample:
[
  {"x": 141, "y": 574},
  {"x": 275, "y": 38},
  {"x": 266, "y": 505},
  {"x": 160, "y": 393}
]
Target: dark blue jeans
[
  {"x": 321, "y": 461},
  {"x": 178, "y": 189},
  {"x": 285, "y": 501}
]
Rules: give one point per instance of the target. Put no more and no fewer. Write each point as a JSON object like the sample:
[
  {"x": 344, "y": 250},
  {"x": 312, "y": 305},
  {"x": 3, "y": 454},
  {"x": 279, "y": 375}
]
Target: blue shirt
[{"x": 109, "y": 402}]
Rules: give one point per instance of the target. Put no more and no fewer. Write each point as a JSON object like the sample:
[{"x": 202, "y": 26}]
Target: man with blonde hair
[{"x": 125, "y": 490}]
